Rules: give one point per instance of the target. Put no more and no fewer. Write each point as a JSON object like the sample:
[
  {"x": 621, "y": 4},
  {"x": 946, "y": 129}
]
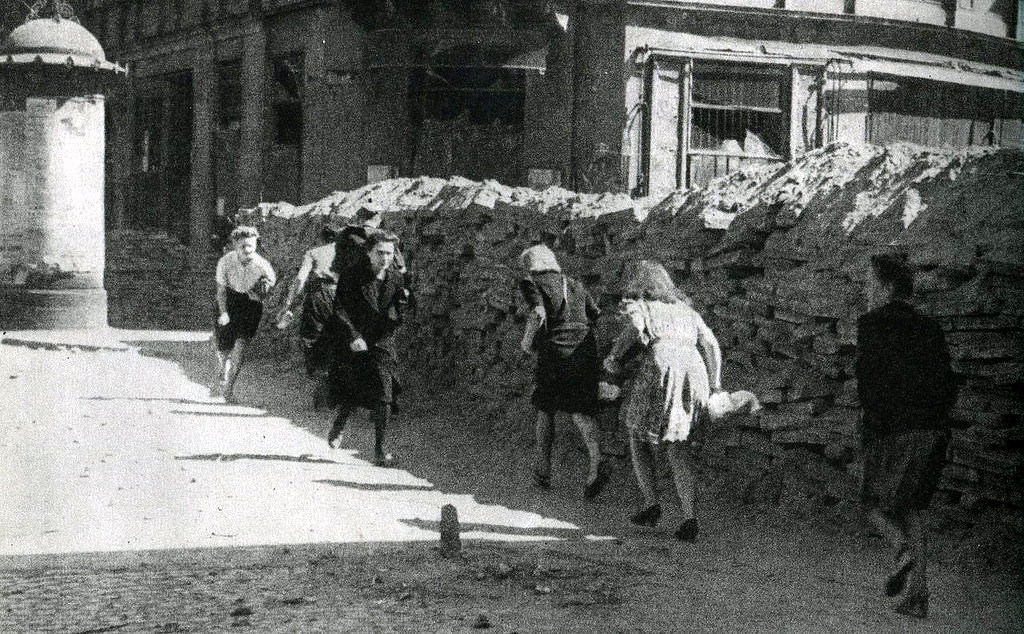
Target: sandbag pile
[{"x": 774, "y": 257}]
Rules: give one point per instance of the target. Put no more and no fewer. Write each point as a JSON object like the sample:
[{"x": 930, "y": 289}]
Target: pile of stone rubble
[{"x": 774, "y": 258}]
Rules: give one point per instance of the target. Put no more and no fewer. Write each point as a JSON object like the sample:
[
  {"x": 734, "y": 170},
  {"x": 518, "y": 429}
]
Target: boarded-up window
[{"x": 941, "y": 114}]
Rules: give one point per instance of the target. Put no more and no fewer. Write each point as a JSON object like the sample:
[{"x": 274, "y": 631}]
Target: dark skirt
[
  {"x": 365, "y": 379},
  {"x": 244, "y": 314},
  {"x": 902, "y": 471},
  {"x": 318, "y": 338},
  {"x": 566, "y": 378}
]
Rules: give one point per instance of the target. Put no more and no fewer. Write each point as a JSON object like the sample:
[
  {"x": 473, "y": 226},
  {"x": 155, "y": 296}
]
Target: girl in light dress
[{"x": 679, "y": 371}]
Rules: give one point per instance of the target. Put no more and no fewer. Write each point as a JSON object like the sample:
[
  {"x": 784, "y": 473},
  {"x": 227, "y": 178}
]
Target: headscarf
[{"x": 539, "y": 258}]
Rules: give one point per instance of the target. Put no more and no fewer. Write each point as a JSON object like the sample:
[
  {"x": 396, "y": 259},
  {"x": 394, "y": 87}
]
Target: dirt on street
[{"x": 533, "y": 561}]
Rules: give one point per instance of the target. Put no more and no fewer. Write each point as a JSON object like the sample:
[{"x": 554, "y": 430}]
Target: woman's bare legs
[
  {"x": 682, "y": 473},
  {"x": 914, "y": 598},
  {"x": 588, "y": 431},
  {"x": 231, "y": 364},
  {"x": 643, "y": 466},
  {"x": 544, "y": 430}
]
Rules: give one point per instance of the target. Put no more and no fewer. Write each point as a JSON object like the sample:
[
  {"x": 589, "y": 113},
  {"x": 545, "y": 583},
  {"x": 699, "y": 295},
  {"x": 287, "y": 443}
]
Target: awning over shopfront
[
  {"x": 535, "y": 59},
  {"x": 646, "y": 42},
  {"x": 949, "y": 70}
]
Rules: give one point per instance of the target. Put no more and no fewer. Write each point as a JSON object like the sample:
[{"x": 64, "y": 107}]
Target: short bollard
[{"x": 451, "y": 544}]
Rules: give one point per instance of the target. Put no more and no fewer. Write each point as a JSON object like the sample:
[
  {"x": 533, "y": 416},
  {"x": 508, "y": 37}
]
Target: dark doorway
[{"x": 160, "y": 187}]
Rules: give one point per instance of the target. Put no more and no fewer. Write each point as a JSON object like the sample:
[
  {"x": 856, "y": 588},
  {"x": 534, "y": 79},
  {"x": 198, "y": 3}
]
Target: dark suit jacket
[
  {"x": 904, "y": 378},
  {"x": 371, "y": 309}
]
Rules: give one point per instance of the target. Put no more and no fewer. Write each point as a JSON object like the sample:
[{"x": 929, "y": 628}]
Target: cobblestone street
[{"x": 132, "y": 501}]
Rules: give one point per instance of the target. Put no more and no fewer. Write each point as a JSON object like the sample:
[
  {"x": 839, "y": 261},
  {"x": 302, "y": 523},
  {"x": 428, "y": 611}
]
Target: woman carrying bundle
[{"x": 681, "y": 367}]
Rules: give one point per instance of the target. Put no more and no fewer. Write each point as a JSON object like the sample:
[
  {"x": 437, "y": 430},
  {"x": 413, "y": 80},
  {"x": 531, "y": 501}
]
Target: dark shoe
[
  {"x": 604, "y": 473},
  {"x": 915, "y": 605},
  {"x": 687, "y": 531},
  {"x": 385, "y": 460},
  {"x": 898, "y": 577},
  {"x": 335, "y": 437},
  {"x": 647, "y": 517},
  {"x": 541, "y": 480}
]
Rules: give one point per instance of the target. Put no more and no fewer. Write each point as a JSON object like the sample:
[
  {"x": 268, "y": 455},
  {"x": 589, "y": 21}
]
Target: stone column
[
  {"x": 204, "y": 87},
  {"x": 316, "y": 128},
  {"x": 254, "y": 105}
]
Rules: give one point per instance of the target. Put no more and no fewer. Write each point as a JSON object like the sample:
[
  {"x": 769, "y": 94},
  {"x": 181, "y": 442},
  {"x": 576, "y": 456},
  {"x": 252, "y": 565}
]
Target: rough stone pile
[{"x": 774, "y": 258}]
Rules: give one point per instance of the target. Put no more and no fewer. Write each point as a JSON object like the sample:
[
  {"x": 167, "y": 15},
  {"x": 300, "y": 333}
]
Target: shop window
[
  {"x": 739, "y": 114},
  {"x": 941, "y": 114},
  {"x": 739, "y": 110},
  {"x": 485, "y": 95}
]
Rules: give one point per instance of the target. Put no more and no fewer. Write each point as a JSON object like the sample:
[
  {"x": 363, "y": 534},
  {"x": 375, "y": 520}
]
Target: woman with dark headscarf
[
  {"x": 681, "y": 367},
  {"x": 559, "y": 330}
]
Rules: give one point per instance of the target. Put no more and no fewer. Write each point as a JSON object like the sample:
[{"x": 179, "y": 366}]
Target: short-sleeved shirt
[
  {"x": 242, "y": 277},
  {"x": 318, "y": 262}
]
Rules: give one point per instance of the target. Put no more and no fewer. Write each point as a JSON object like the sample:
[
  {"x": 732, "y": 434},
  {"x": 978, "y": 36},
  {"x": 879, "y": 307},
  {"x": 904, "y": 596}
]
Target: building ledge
[{"x": 844, "y": 18}]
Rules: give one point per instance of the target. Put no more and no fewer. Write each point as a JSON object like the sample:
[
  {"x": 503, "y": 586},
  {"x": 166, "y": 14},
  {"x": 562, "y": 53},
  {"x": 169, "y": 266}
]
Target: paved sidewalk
[{"x": 109, "y": 450}]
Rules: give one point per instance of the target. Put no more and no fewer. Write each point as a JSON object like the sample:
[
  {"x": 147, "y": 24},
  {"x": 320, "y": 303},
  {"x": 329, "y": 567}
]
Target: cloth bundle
[{"x": 722, "y": 404}]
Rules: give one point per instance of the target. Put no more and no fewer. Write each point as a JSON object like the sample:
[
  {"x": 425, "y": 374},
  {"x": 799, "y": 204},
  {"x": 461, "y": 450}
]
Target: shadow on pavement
[
  {"x": 220, "y": 457},
  {"x": 548, "y": 532},
  {"x": 374, "y": 486},
  {"x": 462, "y": 446}
]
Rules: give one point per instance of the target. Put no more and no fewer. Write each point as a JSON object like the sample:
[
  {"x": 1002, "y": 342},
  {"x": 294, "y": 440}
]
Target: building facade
[{"x": 233, "y": 102}]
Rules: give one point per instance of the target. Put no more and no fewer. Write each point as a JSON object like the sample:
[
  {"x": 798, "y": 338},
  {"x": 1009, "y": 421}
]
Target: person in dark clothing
[
  {"x": 559, "y": 329},
  {"x": 906, "y": 389},
  {"x": 315, "y": 282},
  {"x": 368, "y": 309},
  {"x": 350, "y": 244}
]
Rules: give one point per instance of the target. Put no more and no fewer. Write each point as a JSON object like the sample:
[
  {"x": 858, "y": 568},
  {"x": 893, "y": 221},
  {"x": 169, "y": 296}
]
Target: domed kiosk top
[{"x": 54, "y": 41}]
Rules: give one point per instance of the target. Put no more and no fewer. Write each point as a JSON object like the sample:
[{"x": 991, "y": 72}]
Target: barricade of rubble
[{"x": 774, "y": 257}]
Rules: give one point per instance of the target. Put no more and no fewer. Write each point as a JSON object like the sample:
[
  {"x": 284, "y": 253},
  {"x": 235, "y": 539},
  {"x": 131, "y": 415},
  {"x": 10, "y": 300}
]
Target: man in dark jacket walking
[
  {"x": 906, "y": 388},
  {"x": 369, "y": 307}
]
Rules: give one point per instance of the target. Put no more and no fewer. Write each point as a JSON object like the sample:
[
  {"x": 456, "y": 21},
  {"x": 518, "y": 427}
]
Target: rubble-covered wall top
[{"x": 774, "y": 257}]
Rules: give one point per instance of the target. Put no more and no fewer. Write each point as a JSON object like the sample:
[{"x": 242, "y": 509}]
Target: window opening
[
  {"x": 287, "y": 95},
  {"x": 739, "y": 115}
]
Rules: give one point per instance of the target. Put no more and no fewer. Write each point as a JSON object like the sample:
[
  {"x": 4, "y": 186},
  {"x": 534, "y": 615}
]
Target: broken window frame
[
  {"x": 687, "y": 150},
  {"x": 769, "y": 120}
]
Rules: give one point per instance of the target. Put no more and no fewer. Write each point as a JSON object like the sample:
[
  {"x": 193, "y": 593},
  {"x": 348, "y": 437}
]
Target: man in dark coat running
[
  {"x": 369, "y": 307},
  {"x": 907, "y": 388}
]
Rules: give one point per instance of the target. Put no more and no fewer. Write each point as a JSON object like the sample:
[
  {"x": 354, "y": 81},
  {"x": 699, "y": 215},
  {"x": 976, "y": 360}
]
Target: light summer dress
[{"x": 672, "y": 384}]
